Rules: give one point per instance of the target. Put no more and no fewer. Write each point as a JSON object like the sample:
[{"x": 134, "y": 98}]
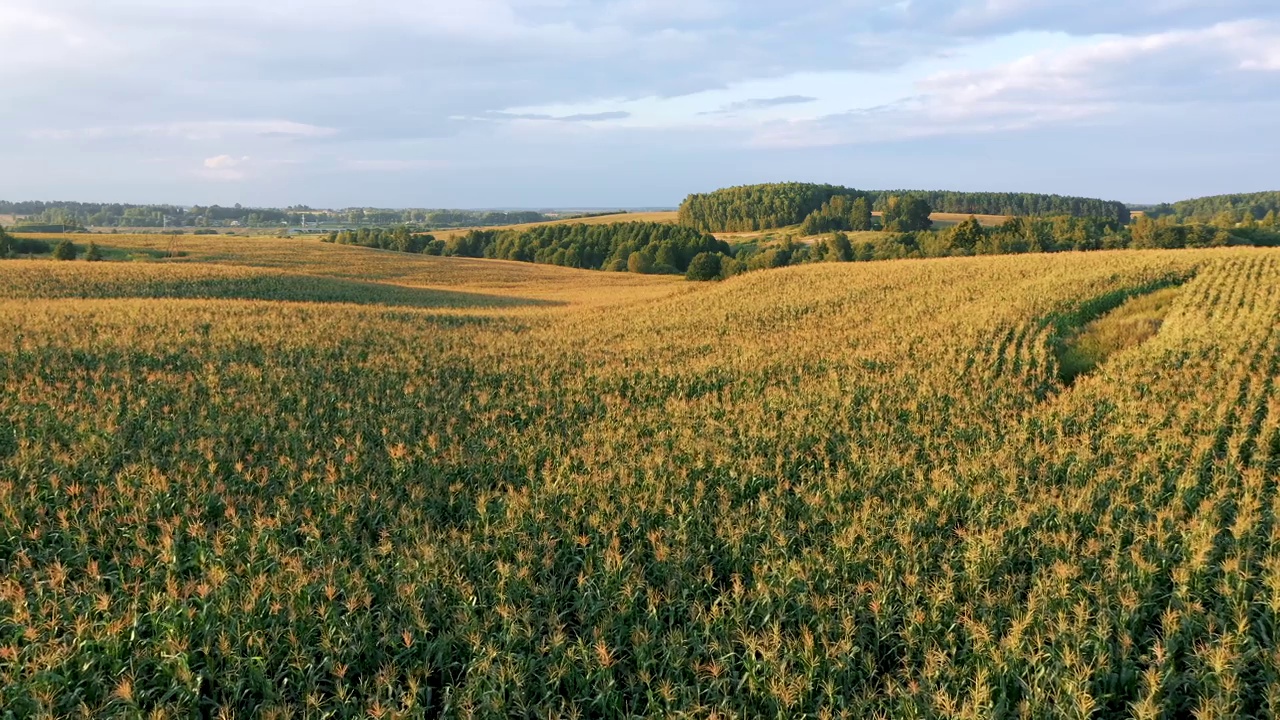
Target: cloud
[
  {"x": 1228, "y": 63},
  {"x": 761, "y": 103},
  {"x": 409, "y": 79},
  {"x": 574, "y": 118},
  {"x": 203, "y": 130},
  {"x": 595, "y": 117},
  {"x": 1093, "y": 17},
  {"x": 226, "y": 168},
  {"x": 225, "y": 162},
  {"x": 1176, "y": 66}
]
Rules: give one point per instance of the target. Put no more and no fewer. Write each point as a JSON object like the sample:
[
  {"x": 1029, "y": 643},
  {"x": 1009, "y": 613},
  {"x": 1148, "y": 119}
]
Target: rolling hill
[{"x": 285, "y": 477}]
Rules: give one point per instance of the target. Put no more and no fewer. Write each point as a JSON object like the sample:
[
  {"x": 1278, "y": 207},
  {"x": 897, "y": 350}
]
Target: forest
[
  {"x": 1221, "y": 209},
  {"x": 642, "y": 247},
  {"x": 400, "y": 239},
  {"x": 1015, "y": 236},
  {"x": 1018, "y": 204},
  {"x": 749, "y": 208}
]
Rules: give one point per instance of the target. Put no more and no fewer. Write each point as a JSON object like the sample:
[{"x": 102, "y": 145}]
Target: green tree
[
  {"x": 7, "y": 246},
  {"x": 860, "y": 216},
  {"x": 968, "y": 235},
  {"x": 1225, "y": 219},
  {"x": 64, "y": 251},
  {"x": 907, "y": 214},
  {"x": 704, "y": 266},
  {"x": 836, "y": 248},
  {"x": 666, "y": 259},
  {"x": 93, "y": 253},
  {"x": 1269, "y": 221},
  {"x": 730, "y": 266},
  {"x": 640, "y": 262}
]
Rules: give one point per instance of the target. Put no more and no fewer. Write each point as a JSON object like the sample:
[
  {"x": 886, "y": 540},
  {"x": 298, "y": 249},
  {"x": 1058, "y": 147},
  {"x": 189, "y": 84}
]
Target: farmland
[
  {"x": 656, "y": 216},
  {"x": 284, "y": 478}
]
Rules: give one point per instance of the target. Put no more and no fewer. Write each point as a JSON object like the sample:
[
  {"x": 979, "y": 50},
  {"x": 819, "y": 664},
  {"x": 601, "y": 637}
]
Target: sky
[{"x": 631, "y": 103}]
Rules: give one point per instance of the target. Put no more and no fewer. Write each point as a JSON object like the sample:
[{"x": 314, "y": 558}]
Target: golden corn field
[{"x": 301, "y": 480}]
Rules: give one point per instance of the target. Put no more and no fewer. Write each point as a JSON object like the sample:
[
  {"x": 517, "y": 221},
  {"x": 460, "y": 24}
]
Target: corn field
[{"x": 831, "y": 491}]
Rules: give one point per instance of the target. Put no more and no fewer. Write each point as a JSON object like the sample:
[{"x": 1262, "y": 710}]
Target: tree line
[
  {"x": 399, "y": 239},
  {"x": 12, "y": 247},
  {"x": 1014, "y": 204},
  {"x": 749, "y": 208},
  {"x": 1222, "y": 210},
  {"x": 1015, "y": 236},
  {"x": 642, "y": 247},
  {"x": 71, "y": 216}
]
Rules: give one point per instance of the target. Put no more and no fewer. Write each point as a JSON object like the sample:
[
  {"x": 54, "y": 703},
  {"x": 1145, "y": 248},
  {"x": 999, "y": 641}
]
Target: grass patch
[{"x": 1134, "y": 322}]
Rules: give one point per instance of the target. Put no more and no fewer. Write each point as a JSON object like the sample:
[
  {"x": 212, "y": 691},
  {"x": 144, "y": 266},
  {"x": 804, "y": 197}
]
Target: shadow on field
[{"x": 213, "y": 283}]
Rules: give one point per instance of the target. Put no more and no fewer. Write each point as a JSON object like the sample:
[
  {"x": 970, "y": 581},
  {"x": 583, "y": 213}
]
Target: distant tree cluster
[
  {"x": 641, "y": 247},
  {"x": 1015, "y": 236},
  {"x": 763, "y": 207},
  {"x": 757, "y": 207},
  {"x": 1223, "y": 210},
  {"x": 1012, "y": 204},
  {"x": 906, "y": 213},
  {"x": 400, "y": 239},
  {"x": 11, "y": 246},
  {"x": 840, "y": 213},
  {"x": 468, "y": 218},
  {"x": 74, "y": 216},
  {"x": 1166, "y": 232}
]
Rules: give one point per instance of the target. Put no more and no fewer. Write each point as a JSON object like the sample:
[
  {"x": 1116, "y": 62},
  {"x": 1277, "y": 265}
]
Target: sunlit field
[{"x": 280, "y": 478}]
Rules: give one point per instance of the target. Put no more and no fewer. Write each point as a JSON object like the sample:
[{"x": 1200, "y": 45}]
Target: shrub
[
  {"x": 704, "y": 266},
  {"x": 65, "y": 250},
  {"x": 730, "y": 266},
  {"x": 640, "y": 262},
  {"x": 93, "y": 253}
]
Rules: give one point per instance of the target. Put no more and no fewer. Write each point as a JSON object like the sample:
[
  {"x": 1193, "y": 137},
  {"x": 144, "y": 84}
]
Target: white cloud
[
  {"x": 374, "y": 78},
  {"x": 1091, "y": 82},
  {"x": 202, "y": 130},
  {"x": 226, "y": 168},
  {"x": 1177, "y": 66},
  {"x": 225, "y": 162}
]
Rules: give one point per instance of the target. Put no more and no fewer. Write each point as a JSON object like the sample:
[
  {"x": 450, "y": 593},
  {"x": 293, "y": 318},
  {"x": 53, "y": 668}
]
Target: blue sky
[{"x": 608, "y": 103}]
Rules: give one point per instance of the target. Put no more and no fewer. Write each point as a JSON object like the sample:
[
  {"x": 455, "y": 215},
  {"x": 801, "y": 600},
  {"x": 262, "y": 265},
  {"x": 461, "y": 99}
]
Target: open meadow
[{"x": 282, "y": 478}]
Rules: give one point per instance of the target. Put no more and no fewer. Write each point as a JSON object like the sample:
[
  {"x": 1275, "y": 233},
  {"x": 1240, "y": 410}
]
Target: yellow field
[
  {"x": 282, "y": 478},
  {"x": 943, "y": 220},
  {"x": 309, "y": 257}
]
